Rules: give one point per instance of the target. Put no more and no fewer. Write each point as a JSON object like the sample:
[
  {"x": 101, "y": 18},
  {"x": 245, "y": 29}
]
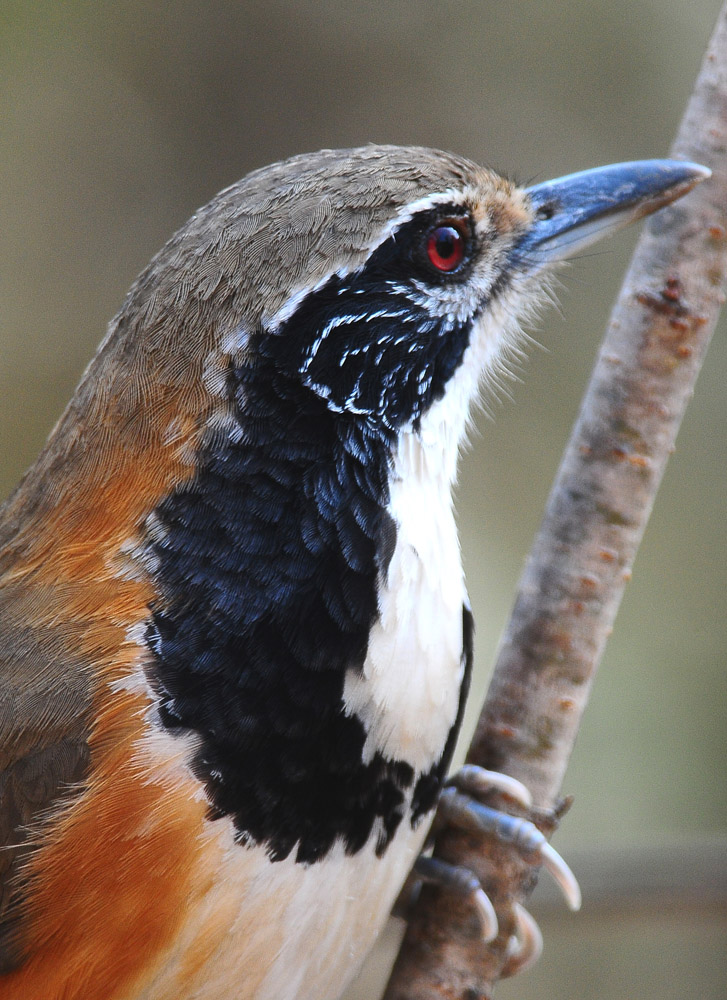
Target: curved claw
[
  {"x": 525, "y": 947},
  {"x": 562, "y": 875},
  {"x": 464, "y": 882},
  {"x": 486, "y": 913},
  {"x": 468, "y": 814},
  {"x": 479, "y": 781}
]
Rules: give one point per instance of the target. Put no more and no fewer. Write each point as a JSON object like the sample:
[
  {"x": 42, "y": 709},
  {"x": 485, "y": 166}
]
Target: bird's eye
[{"x": 447, "y": 244}]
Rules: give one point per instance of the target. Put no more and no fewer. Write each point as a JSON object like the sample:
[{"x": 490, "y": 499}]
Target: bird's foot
[{"x": 459, "y": 806}]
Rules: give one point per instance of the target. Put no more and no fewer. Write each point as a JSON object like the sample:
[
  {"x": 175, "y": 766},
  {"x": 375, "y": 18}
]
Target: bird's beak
[{"x": 574, "y": 211}]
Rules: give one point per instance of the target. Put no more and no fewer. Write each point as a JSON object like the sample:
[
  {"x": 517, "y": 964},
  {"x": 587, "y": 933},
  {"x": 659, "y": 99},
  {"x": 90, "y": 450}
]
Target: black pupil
[{"x": 446, "y": 240}]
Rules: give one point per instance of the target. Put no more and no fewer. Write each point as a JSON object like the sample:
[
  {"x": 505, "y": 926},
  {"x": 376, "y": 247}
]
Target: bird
[{"x": 235, "y": 639}]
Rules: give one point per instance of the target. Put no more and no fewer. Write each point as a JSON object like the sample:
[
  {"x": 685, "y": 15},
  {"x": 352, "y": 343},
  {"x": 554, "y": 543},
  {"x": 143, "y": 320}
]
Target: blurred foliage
[{"x": 120, "y": 118}]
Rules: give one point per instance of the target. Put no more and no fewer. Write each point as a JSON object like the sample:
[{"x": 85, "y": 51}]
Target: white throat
[{"x": 407, "y": 693}]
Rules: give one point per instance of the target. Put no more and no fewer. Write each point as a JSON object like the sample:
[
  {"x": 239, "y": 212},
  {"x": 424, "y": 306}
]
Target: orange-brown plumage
[
  {"x": 132, "y": 831},
  {"x": 129, "y": 838}
]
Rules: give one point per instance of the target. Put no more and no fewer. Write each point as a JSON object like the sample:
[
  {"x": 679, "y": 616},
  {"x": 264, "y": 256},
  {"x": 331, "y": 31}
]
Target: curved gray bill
[{"x": 574, "y": 211}]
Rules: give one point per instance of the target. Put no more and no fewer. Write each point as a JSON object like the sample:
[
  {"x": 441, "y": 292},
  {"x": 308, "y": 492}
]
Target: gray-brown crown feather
[{"x": 288, "y": 225}]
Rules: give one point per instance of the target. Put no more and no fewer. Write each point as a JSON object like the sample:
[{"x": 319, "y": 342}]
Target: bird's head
[{"x": 373, "y": 276}]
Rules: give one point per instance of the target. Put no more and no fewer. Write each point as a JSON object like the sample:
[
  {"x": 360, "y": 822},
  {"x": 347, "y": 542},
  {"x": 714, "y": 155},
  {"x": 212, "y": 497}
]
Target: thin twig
[{"x": 582, "y": 558}]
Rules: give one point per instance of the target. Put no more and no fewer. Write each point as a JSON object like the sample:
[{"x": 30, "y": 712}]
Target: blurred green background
[{"x": 119, "y": 119}]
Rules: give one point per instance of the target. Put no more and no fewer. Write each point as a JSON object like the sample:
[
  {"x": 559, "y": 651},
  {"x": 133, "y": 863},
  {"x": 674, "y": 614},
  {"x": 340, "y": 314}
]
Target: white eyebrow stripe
[{"x": 458, "y": 198}]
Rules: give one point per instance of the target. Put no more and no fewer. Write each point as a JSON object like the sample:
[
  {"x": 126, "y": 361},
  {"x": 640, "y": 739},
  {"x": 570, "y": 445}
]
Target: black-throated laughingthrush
[{"x": 234, "y": 633}]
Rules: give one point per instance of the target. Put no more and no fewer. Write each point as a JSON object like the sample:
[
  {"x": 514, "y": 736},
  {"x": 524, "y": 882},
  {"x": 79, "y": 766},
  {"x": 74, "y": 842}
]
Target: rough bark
[{"x": 582, "y": 557}]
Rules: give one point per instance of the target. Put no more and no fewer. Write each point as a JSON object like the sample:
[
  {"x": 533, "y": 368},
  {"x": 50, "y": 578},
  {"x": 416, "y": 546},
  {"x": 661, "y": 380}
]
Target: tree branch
[{"x": 582, "y": 557}]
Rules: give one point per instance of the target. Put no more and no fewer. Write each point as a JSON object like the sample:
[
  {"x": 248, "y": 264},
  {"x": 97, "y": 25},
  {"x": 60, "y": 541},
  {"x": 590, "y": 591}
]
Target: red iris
[{"x": 446, "y": 247}]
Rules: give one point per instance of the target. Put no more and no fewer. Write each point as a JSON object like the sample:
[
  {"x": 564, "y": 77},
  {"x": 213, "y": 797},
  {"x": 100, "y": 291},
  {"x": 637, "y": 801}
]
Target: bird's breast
[
  {"x": 301, "y": 930},
  {"x": 319, "y": 816},
  {"x": 308, "y": 628},
  {"x": 263, "y": 930}
]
